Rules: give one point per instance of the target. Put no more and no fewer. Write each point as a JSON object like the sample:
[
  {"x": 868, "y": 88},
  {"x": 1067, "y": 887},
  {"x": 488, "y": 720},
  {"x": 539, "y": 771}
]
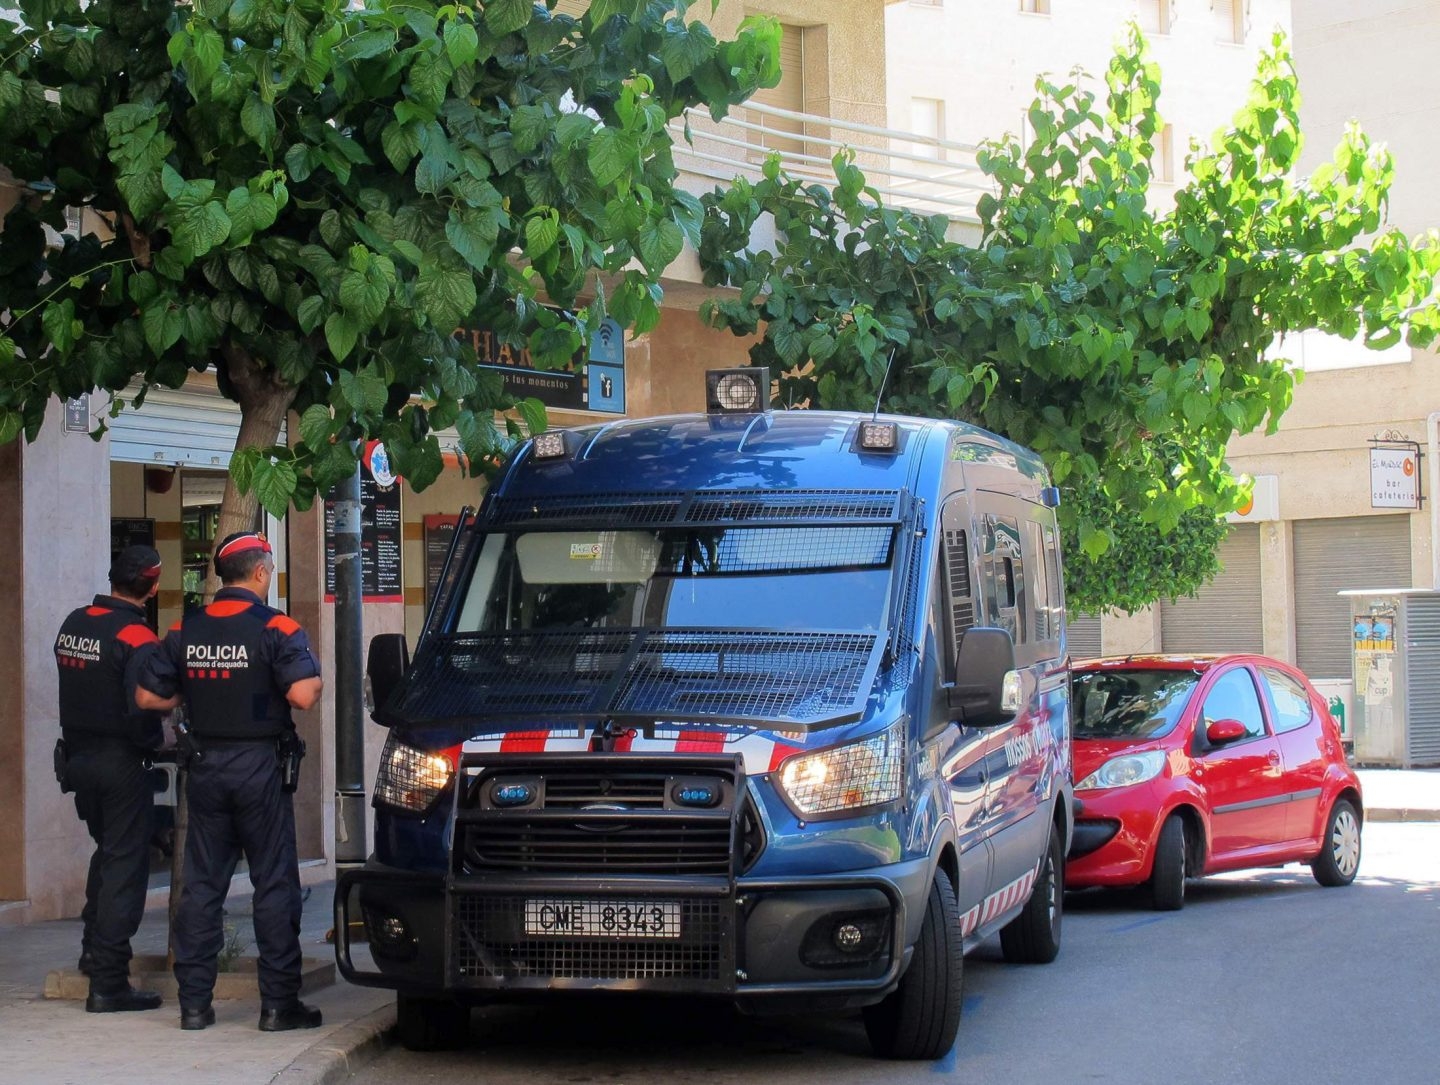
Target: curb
[
  {"x": 1409, "y": 814},
  {"x": 347, "y": 1049}
]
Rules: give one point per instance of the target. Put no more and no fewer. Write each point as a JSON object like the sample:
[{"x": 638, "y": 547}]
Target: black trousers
[
  {"x": 114, "y": 797},
  {"x": 237, "y": 808}
]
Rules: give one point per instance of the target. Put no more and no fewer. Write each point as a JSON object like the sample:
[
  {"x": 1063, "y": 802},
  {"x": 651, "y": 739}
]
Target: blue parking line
[
  {"x": 1137, "y": 924},
  {"x": 950, "y": 1061}
]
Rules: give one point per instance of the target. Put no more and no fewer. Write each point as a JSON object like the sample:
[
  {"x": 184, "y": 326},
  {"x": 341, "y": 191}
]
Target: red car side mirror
[{"x": 1223, "y": 731}]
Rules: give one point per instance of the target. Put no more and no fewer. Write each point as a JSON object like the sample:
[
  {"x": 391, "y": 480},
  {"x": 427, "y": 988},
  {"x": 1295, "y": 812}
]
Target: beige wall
[
  {"x": 981, "y": 59},
  {"x": 64, "y": 557}
]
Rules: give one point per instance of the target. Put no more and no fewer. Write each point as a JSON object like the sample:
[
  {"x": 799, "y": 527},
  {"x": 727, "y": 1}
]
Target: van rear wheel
[
  {"x": 1033, "y": 936},
  {"x": 919, "y": 1019},
  {"x": 430, "y": 1024}
]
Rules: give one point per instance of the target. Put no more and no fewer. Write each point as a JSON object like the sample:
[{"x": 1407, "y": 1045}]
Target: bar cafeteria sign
[{"x": 1395, "y": 478}]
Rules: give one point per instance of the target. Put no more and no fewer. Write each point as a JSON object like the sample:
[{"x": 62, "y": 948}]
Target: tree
[
  {"x": 311, "y": 198},
  {"x": 1125, "y": 343}
]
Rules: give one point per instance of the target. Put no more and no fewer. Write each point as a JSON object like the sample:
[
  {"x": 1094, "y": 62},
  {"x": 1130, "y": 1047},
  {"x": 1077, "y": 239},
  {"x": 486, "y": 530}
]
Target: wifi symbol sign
[{"x": 608, "y": 343}]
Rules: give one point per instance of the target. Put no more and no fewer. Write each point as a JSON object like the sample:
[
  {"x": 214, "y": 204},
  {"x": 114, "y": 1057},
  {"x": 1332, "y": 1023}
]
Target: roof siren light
[{"x": 737, "y": 391}]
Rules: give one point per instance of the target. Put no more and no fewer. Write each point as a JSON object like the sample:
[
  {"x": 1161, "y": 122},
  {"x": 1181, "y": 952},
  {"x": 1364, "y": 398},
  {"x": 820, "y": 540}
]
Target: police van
[{"x": 762, "y": 705}]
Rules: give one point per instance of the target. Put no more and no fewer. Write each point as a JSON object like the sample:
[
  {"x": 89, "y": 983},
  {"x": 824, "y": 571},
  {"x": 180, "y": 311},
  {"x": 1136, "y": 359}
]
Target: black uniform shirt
[
  {"x": 233, "y": 660},
  {"x": 100, "y": 652}
]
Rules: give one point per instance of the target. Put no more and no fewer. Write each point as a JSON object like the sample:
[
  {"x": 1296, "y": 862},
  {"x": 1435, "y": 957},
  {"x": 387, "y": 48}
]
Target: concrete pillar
[
  {"x": 1277, "y": 589},
  {"x": 1131, "y": 634}
]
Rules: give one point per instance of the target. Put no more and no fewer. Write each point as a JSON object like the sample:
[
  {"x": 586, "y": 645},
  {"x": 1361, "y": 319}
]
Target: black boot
[
  {"x": 194, "y": 1018},
  {"x": 121, "y": 1001},
  {"x": 295, "y": 1015}
]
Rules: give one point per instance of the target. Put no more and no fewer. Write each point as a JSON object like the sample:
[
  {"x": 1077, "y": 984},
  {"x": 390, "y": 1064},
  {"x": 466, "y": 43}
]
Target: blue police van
[{"x": 762, "y": 705}]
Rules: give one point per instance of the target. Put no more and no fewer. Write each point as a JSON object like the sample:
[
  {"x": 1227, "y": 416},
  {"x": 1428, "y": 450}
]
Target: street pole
[{"x": 350, "y": 844}]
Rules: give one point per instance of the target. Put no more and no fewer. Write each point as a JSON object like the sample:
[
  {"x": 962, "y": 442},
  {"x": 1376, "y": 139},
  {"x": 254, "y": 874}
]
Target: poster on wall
[
  {"x": 439, "y": 533},
  {"x": 381, "y": 531}
]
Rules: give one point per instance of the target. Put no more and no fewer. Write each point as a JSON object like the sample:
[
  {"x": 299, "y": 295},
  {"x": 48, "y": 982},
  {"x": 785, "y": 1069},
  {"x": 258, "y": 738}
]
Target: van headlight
[
  {"x": 846, "y": 778},
  {"x": 412, "y": 779},
  {"x": 1125, "y": 771}
]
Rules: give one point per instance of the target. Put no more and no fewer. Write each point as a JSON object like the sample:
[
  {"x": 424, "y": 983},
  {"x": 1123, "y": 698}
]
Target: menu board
[
  {"x": 439, "y": 533},
  {"x": 381, "y": 536}
]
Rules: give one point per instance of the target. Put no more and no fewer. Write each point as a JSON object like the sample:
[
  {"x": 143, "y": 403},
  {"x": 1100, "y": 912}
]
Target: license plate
[{"x": 559, "y": 918}]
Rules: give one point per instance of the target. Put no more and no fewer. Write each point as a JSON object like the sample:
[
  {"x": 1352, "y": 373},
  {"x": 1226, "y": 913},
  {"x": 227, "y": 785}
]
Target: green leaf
[
  {"x": 446, "y": 296},
  {"x": 529, "y": 124},
  {"x": 163, "y": 324},
  {"x": 660, "y": 243},
  {"x": 685, "y": 51},
  {"x": 257, "y": 118},
  {"x": 311, "y": 313},
  {"x": 541, "y": 232},
  {"x": 472, "y": 234},
  {"x": 341, "y": 332},
  {"x": 11, "y": 423},
  {"x": 58, "y": 322},
  {"x": 368, "y": 43},
  {"x": 275, "y": 483},
  {"x": 508, "y": 16},
  {"x": 533, "y": 412},
  {"x": 462, "y": 44},
  {"x": 610, "y": 154}
]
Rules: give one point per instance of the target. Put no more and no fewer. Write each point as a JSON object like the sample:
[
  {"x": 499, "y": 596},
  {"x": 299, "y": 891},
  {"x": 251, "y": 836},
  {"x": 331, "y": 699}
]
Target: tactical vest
[
  {"x": 227, "y": 677},
  {"x": 91, "y": 651}
]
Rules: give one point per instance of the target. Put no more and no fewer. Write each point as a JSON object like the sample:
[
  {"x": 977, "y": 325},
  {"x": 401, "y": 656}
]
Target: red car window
[
  {"x": 1290, "y": 700},
  {"x": 1233, "y": 697}
]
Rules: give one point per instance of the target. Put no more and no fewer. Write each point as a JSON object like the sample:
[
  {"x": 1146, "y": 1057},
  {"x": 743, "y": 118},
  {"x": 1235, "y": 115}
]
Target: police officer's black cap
[{"x": 135, "y": 562}]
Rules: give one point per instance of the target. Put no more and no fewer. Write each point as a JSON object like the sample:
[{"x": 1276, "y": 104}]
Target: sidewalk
[
  {"x": 51, "y": 1042},
  {"x": 55, "y": 1042}
]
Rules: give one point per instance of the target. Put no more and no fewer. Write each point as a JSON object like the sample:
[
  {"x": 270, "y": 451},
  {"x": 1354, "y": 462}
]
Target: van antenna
[{"x": 890, "y": 361}]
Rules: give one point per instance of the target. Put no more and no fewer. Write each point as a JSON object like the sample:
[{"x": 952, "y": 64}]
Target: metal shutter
[
  {"x": 789, "y": 94},
  {"x": 1225, "y": 615},
  {"x": 1082, "y": 636},
  {"x": 1333, "y": 556},
  {"x": 1422, "y": 679},
  {"x": 194, "y": 426},
  {"x": 574, "y": 8}
]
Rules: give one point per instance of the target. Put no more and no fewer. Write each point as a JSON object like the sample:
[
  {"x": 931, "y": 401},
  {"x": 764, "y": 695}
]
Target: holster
[
  {"x": 290, "y": 748},
  {"x": 187, "y": 750},
  {"x": 62, "y": 759}
]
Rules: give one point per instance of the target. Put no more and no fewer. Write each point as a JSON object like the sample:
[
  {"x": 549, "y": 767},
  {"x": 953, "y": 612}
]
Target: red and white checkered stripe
[
  {"x": 762, "y": 753},
  {"x": 998, "y": 903}
]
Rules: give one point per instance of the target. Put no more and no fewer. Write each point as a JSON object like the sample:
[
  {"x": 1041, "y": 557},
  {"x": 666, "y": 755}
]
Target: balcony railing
[{"x": 919, "y": 172}]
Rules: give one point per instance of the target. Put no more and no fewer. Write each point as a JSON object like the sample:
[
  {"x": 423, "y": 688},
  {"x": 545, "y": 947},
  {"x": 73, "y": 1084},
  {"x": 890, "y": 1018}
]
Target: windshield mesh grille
[
  {"x": 704, "y": 507},
  {"x": 702, "y": 675}
]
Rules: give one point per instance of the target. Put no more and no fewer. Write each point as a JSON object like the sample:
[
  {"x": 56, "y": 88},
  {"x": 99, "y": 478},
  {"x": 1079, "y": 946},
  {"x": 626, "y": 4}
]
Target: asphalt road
[{"x": 1264, "y": 977}]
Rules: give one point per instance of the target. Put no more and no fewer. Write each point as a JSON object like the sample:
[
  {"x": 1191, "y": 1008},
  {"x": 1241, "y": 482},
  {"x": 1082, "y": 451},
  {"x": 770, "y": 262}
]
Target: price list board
[{"x": 381, "y": 539}]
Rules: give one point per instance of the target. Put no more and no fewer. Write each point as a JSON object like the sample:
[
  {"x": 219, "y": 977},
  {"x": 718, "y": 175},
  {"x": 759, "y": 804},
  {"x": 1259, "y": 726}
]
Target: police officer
[
  {"x": 102, "y": 757},
  {"x": 241, "y": 667}
]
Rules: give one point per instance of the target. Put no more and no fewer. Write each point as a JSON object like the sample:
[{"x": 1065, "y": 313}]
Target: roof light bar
[
  {"x": 878, "y": 437},
  {"x": 549, "y": 445},
  {"x": 737, "y": 391}
]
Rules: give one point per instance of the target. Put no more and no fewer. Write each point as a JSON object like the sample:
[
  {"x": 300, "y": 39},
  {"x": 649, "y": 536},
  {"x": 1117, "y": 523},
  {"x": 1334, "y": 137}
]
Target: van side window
[
  {"x": 959, "y": 596},
  {"x": 1040, "y": 589},
  {"x": 1004, "y": 577},
  {"x": 1052, "y": 572}
]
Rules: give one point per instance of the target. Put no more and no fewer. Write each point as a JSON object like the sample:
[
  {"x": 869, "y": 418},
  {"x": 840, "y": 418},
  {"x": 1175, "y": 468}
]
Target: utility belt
[
  {"x": 66, "y": 748},
  {"x": 289, "y": 750}
]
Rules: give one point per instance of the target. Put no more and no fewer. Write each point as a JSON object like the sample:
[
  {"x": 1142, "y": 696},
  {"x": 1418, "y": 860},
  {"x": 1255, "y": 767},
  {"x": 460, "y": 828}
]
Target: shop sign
[
  {"x": 593, "y": 380},
  {"x": 1395, "y": 478},
  {"x": 381, "y": 531}
]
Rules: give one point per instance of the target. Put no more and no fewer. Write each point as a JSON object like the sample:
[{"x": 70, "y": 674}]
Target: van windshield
[{"x": 759, "y": 578}]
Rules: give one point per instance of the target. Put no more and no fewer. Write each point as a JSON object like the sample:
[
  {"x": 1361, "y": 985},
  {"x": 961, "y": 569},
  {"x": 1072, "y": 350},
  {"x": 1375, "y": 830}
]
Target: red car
[{"x": 1192, "y": 765}]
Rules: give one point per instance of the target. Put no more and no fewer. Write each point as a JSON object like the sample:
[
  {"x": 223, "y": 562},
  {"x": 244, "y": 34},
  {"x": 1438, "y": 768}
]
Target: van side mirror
[
  {"x": 386, "y": 665},
  {"x": 985, "y": 689}
]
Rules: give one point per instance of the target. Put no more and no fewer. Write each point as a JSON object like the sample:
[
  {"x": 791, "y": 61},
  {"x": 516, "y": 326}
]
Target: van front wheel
[{"x": 919, "y": 1019}]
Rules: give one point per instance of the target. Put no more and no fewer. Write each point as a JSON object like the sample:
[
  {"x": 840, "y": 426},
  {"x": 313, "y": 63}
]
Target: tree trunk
[{"x": 264, "y": 399}]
